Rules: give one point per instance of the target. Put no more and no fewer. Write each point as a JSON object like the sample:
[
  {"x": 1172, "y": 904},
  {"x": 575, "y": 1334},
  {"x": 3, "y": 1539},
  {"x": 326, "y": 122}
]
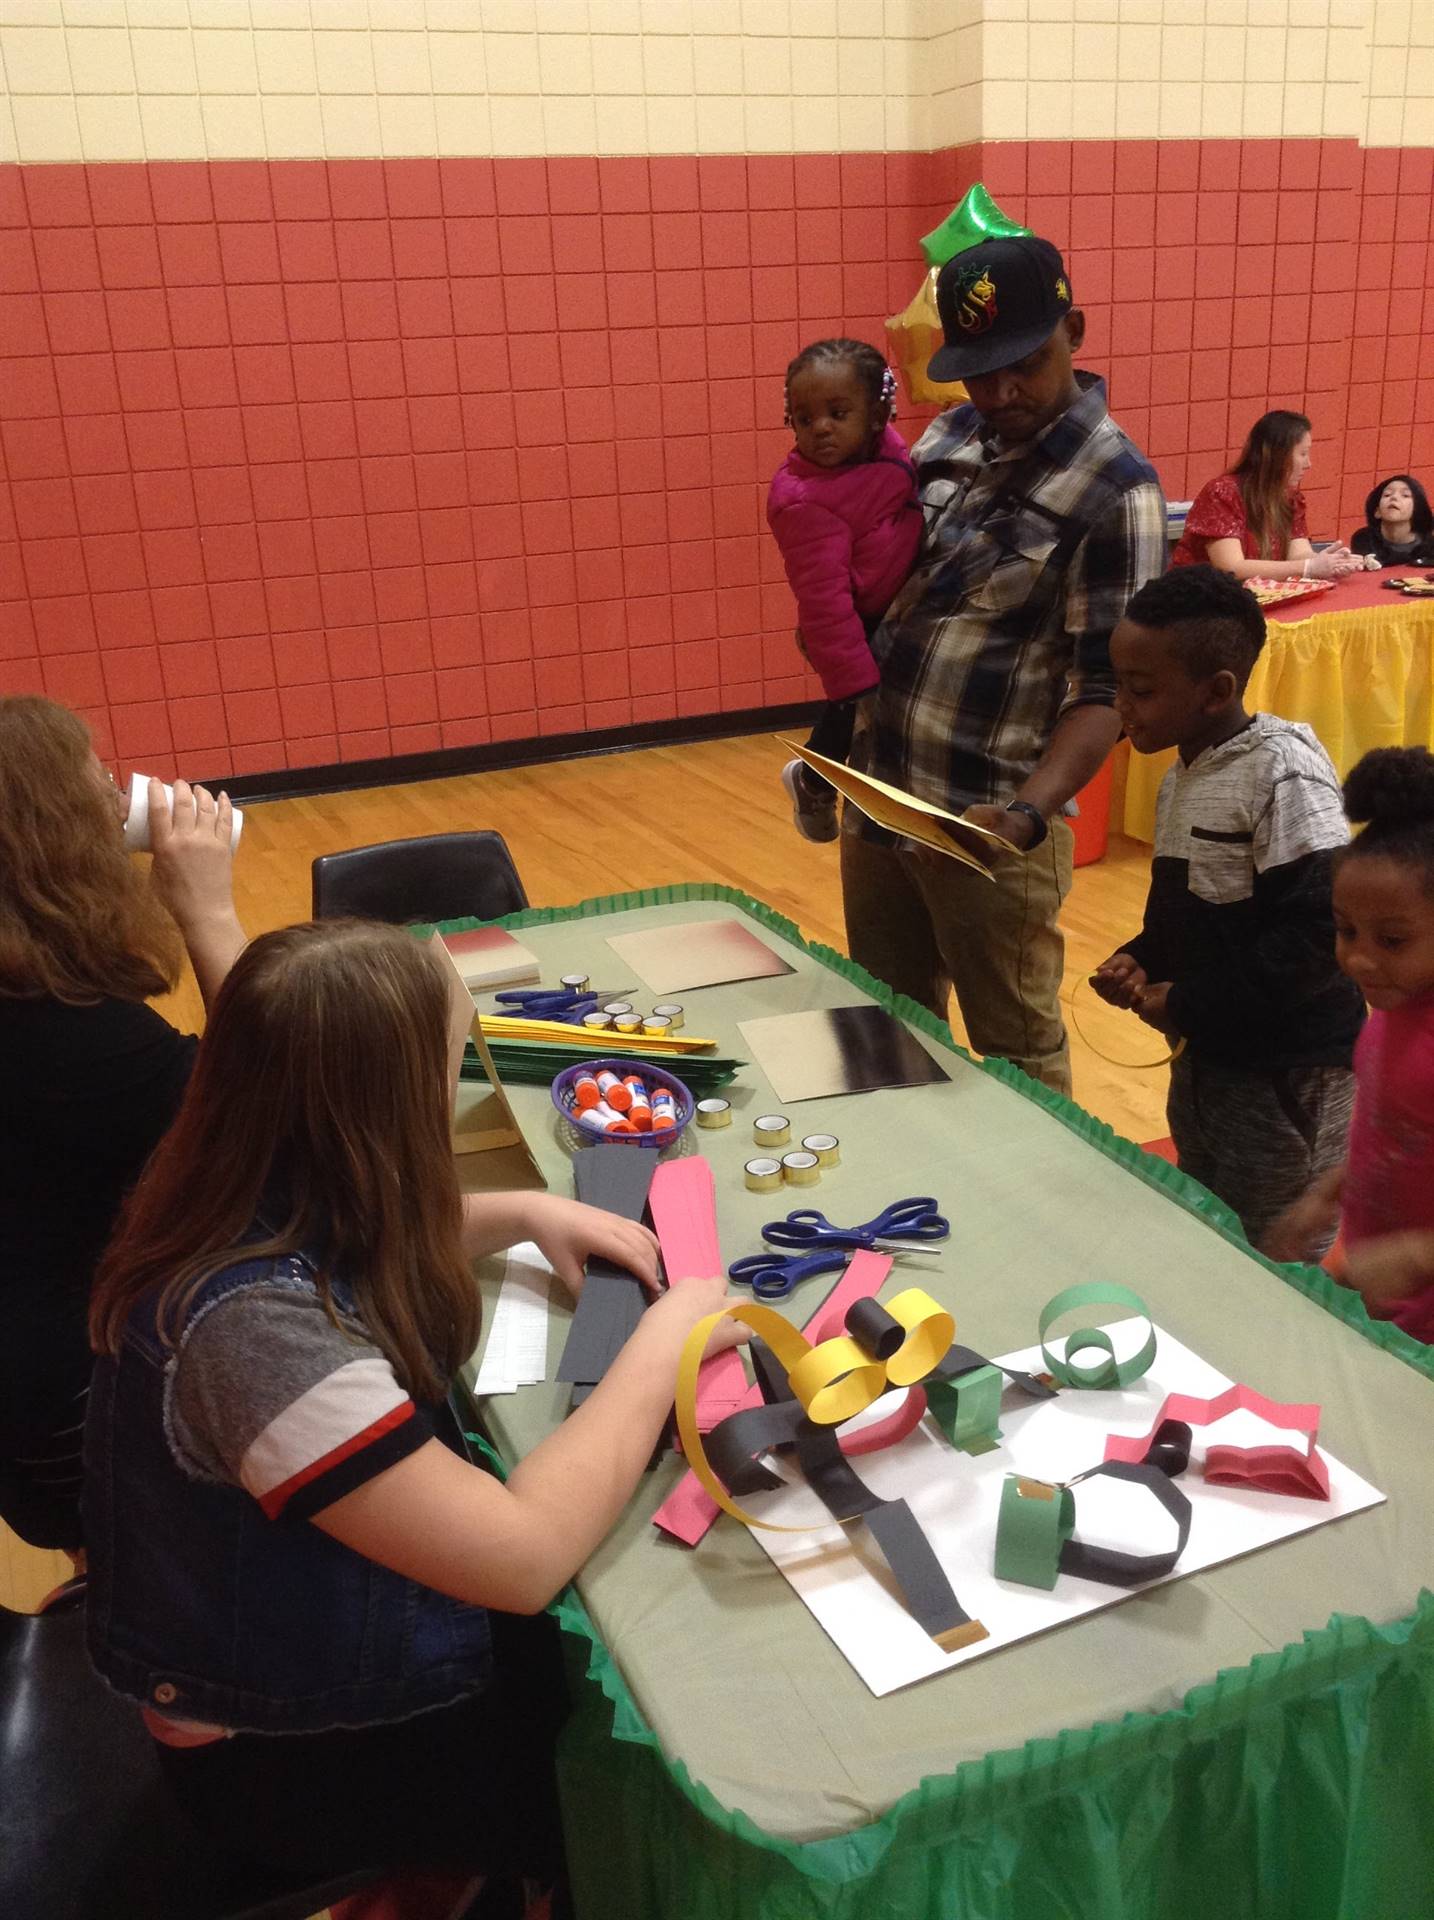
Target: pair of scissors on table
[
  {"x": 820, "y": 1247},
  {"x": 553, "y": 1003}
]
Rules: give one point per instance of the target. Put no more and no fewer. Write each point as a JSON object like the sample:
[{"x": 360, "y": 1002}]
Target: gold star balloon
[{"x": 914, "y": 334}]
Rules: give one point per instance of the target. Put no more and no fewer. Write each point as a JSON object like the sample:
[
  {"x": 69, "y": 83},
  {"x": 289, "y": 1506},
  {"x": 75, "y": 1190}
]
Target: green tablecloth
[{"x": 1256, "y": 1739}]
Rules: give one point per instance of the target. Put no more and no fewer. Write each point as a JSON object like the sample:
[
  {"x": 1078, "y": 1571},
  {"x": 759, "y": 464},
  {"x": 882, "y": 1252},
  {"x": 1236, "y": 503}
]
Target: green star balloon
[{"x": 977, "y": 218}]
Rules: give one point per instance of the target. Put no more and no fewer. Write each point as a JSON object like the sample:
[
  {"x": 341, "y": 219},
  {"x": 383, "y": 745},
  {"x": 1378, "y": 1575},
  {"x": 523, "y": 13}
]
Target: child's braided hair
[{"x": 877, "y": 379}]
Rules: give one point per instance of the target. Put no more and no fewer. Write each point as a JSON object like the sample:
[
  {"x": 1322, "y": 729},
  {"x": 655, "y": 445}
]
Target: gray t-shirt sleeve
[{"x": 267, "y": 1394}]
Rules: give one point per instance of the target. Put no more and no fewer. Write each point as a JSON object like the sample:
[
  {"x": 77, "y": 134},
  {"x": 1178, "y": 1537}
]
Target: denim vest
[{"x": 205, "y": 1609}]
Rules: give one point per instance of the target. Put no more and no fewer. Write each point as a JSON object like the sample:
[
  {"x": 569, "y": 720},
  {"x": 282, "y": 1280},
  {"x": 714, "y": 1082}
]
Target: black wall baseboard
[{"x": 342, "y": 776}]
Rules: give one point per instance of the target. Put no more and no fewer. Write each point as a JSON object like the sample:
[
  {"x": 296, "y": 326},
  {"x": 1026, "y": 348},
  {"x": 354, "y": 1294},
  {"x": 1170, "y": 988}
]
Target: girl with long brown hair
[
  {"x": 92, "y": 1076},
  {"x": 286, "y": 1535},
  {"x": 1251, "y": 521}
]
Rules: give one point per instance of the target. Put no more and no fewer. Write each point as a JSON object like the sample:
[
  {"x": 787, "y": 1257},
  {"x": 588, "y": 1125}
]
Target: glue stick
[
  {"x": 640, "y": 1112},
  {"x": 602, "y": 1119},
  {"x": 586, "y": 1091},
  {"x": 664, "y": 1109},
  {"x": 613, "y": 1091}
]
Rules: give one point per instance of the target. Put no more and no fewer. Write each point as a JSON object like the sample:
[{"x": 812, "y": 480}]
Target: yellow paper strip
[{"x": 503, "y": 1026}]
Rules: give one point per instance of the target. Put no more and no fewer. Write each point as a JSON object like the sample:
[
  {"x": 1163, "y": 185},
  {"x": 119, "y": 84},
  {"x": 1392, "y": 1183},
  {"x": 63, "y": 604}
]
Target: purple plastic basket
[{"x": 565, "y": 1100}]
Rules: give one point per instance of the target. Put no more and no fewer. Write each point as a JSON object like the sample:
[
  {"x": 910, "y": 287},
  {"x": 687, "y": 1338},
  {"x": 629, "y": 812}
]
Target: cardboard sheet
[
  {"x": 701, "y": 953},
  {"x": 956, "y": 1500},
  {"x": 903, "y": 813},
  {"x": 490, "y": 957},
  {"x": 836, "y": 1050},
  {"x": 483, "y": 1122}
]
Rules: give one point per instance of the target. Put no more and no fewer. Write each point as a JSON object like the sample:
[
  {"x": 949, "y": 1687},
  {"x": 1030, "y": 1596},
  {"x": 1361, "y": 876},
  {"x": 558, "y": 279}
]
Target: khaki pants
[{"x": 925, "y": 924}]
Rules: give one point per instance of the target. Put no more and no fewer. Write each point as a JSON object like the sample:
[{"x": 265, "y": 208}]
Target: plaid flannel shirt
[{"x": 1028, "y": 559}]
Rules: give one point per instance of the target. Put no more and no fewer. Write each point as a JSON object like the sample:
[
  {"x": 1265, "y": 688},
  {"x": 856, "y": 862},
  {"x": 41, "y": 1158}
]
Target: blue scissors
[
  {"x": 772, "y": 1276},
  {"x": 902, "y": 1221},
  {"x": 552, "y": 1003}
]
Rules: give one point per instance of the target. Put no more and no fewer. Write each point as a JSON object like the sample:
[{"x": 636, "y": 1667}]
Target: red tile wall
[{"x": 305, "y": 463}]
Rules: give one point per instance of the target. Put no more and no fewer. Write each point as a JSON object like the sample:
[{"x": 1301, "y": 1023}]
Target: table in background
[
  {"x": 1357, "y": 665},
  {"x": 725, "y": 1762}
]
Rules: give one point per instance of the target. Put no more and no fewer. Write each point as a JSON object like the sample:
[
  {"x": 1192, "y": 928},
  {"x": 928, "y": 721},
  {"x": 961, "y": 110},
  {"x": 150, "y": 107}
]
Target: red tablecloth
[{"x": 1356, "y": 590}]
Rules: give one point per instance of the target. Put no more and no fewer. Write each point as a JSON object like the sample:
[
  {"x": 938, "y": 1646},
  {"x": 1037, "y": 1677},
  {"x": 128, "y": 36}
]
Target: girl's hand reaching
[
  {"x": 568, "y": 1233},
  {"x": 692, "y": 1300}
]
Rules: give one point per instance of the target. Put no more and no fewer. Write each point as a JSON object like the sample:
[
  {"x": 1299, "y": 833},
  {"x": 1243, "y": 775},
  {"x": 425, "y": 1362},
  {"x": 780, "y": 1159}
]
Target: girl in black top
[
  {"x": 92, "y": 1075},
  {"x": 1398, "y": 525}
]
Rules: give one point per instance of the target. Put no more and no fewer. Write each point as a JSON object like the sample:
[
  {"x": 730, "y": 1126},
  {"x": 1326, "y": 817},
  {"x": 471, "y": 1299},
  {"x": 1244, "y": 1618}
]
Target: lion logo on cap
[{"x": 975, "y": 300}]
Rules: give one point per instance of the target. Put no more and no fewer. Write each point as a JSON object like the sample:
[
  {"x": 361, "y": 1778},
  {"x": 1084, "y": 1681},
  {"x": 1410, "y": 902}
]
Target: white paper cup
[{"x": 136, "y": 823}]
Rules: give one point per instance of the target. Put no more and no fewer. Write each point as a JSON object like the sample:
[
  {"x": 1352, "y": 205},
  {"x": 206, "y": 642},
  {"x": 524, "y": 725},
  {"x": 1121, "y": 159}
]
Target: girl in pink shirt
[
  {"x": 843, "y": 509},
  {"x": 1384, "y": 939}
]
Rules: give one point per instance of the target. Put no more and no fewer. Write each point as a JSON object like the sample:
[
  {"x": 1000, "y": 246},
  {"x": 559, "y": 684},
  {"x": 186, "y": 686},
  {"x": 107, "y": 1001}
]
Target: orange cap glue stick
[
  {"x": 602, "y": 1119},
  {"x": 640, "y": 1112},
  {"x": 613, "y": 1091}
]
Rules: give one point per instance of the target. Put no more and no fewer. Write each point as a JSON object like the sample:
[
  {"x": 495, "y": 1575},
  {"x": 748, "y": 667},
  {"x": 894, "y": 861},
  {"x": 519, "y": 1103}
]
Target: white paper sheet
[
  {"x": 517, "y": 1351},
  {"x": 843, "y": 1579}
]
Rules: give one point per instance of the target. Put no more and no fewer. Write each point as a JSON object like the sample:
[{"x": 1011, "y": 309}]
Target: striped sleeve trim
[{"x": 344, "y": 1430}]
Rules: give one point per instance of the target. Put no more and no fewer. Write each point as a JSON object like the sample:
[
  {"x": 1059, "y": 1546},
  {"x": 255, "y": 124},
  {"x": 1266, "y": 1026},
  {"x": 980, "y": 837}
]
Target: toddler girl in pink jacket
[{"x": 844, "y": 512}]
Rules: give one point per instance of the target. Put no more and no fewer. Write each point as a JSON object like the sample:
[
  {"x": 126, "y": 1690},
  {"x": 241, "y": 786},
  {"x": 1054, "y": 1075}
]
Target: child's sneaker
[{"x": 813, "y": 814}]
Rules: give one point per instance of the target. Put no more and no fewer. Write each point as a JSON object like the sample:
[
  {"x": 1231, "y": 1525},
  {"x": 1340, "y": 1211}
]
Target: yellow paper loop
[
  {"x": 834, "y": 1381},
  {"x": 930, "y": 1329},
  {"x": 790, "y": 1347}
]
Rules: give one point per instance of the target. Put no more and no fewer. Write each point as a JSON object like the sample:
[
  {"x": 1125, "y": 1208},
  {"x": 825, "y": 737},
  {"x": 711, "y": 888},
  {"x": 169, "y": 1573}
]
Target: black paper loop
[
  {"x": 1114, "y": 1568},
  {"x": 874, "y": 1329},
  {"x": 1169, "y": 1448}
]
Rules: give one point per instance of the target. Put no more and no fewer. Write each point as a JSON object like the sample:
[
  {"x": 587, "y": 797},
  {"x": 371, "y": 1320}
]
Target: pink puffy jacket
[{"x": 848, "y": 537}]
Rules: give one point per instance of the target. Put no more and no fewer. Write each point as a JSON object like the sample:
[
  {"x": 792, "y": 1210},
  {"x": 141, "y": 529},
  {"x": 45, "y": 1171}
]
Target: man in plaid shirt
[{"x": 1042, "y": 519}]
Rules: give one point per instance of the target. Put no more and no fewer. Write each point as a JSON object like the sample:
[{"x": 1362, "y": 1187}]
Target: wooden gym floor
[{"x": 714, "y": 810}]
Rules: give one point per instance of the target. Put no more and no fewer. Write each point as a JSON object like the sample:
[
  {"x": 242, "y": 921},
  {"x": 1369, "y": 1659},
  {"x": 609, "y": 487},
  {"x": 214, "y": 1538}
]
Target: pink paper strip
[
  {"x": 683, "y": 1203},
  {"x": 1270, "y": 1469},
  {"x": 886, "y": 1432},
  {"x": 689, "y": 1510}
]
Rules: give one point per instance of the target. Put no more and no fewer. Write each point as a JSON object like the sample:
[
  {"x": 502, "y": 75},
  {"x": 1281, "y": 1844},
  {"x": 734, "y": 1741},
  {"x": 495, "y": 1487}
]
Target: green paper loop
[
  {"x": 968, "y": 1409},
  {"x": 1106, "y": 1373},
  {"x": 977, "y": 218},
  {"x": 1034, "y": 1524}
]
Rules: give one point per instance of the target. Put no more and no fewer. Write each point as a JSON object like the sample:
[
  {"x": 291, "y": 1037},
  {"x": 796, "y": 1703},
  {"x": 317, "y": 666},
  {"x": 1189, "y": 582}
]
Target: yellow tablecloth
[{"x": 1360, "y": 676}]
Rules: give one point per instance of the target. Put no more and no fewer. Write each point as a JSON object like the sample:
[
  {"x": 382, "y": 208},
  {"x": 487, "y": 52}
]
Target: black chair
[
  {"x": 442, "y": 876},
  {"x": 87, "y": 1828}
]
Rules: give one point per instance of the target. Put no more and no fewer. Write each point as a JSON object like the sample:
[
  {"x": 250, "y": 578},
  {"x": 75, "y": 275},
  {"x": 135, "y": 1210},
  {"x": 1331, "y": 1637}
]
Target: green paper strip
[
  {"x": 968, "y": 1409},
  {"x": 1106, "y": 1373},
  {"x": 1035, "y": 1522}
]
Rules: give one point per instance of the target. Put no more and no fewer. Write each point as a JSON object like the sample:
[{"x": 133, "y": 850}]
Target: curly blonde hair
[{"x": 78, "y": 922}]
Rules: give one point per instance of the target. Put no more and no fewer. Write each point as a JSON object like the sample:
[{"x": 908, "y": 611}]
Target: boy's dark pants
[{"x": 1257, "y": 1139}]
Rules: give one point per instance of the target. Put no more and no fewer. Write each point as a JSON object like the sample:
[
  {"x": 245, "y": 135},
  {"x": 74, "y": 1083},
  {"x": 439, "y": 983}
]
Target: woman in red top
[{"x": 1251, "y": 520}]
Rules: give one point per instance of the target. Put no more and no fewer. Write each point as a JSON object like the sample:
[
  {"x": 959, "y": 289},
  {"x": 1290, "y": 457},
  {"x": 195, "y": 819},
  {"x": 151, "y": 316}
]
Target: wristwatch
[{"x": 1036, "y": 818}]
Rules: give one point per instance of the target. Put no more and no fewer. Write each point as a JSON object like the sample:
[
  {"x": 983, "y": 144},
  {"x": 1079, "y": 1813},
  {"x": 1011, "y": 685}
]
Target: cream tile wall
[
  {"x": 1184, "y": 69},
  {"x": 177, "y": 79}
]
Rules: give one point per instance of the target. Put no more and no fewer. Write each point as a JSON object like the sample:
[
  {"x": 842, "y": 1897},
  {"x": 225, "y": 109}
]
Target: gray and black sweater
[{"x": 1238, "y": 919}]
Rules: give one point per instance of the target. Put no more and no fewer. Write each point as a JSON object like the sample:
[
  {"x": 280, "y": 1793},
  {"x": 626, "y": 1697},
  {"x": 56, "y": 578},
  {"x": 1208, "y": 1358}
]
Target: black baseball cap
[{"x": 998, "y": 302}]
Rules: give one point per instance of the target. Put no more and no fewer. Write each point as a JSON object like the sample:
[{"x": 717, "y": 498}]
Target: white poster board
[{"x": 842, "y": 1578}]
